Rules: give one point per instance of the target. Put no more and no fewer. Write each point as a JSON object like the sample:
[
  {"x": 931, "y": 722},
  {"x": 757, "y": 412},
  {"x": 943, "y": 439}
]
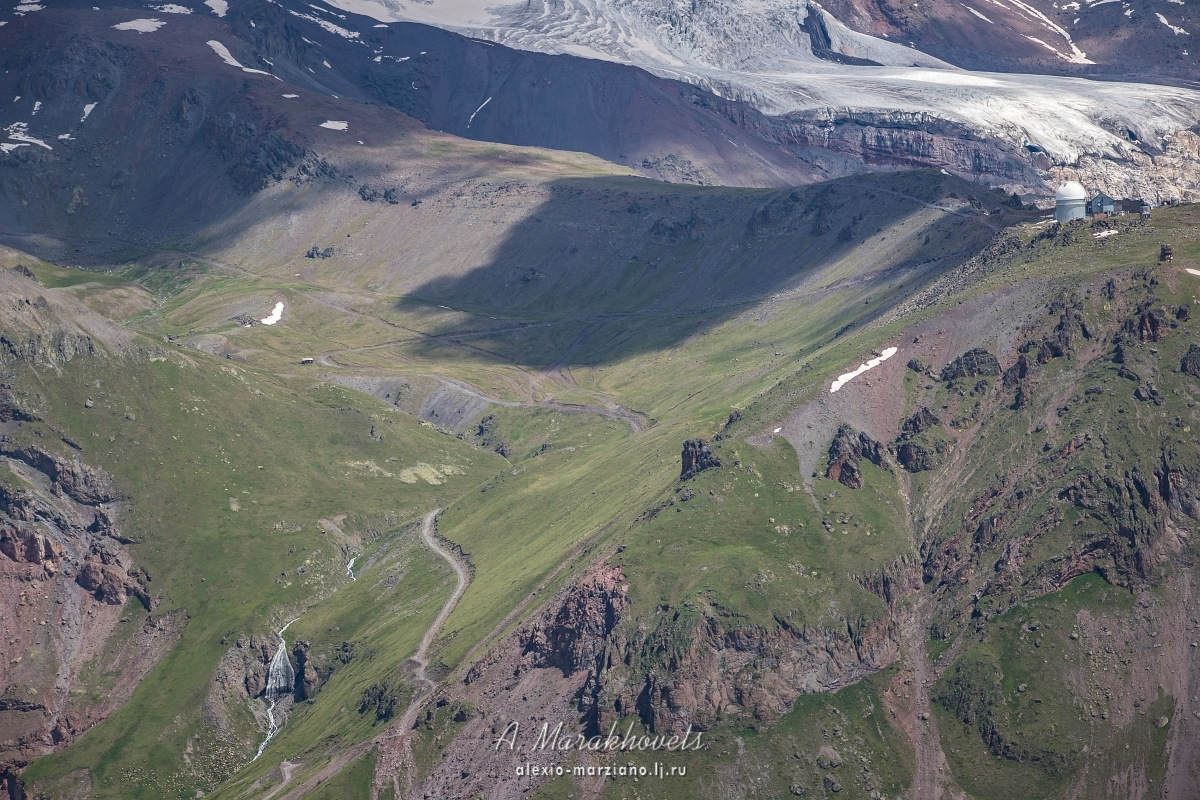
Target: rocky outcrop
[
  {"x": 915, "y": 449},
  {"x": 699, "y": 668},
  {"x": 916, "y": 457},
  {"x": 1190, "y": 365},
  {"x": 308, "y": 681},
  {"x": 12, "y": 408},
  {"x": 574, "y": 636},
  {"x": 918, "y": 423},
  {"x": 687, "y": 666},
  {"x": 487, "y": 437},
  {"x": 56, "y": 347},
  {"x": 895, "y": 581},
  {"x": 257, "y": 150},
  {"x": 25, "y": 545},
  {"x": 696, "y": 457},
  {"x": 846, "y": 452},
  {"x": 313, "y": 669},
  {"x": 67, "y": 474},
  {"x": 1178, "y": 485},
  {"x": 1061, "y": 339},
  {"x": 1018, "y": 372},
  {"x": 1150, "y": 323},
  {"x": 247, "y": 664},
  {"x": 973, "y": 363}
]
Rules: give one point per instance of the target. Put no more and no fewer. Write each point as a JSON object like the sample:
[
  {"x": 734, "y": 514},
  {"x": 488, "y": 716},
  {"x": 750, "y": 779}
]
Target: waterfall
[
  {"x": 350, "y": 568},
  {"x": 281, "y": 679}
]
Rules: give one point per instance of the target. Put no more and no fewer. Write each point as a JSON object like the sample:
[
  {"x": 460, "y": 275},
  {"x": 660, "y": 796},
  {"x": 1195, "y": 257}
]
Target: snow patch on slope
[
  {"x": 19, "y": 132},
  {"x": 275, "y": 316},
  {"x": 481, "y": 105},
  {"x": 327, "y": 25},
  {"x": 140, "y": 25},
  {"x": 219, "y": 7},
  {"x": 846, "y": 377},
  {"x": 1177, "y": 30},
  {"x": 228, "y": 58},
  {"x": 976, "y": 13}
]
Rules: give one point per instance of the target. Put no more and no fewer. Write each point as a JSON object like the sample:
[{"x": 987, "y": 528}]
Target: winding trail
[
  {"x": 636, "y": 420},
  {"x": 421, "y": 659}
]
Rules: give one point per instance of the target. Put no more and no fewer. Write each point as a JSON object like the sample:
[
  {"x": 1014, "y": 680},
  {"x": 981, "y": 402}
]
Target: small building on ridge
[{"x": 1102, "y": 204}]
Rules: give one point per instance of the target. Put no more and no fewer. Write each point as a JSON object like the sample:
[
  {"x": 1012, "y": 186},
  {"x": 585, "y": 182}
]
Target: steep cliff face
[
  {"x": 584, "y": 662},
  {"x": 66, "y": 573},
  {"x": 698, "y": 669},
  {"x": 1126, "y": 499},
  {"x": 573, "y": 637},
  {"x": 544, "y": 672},
  {"x": 696, "y": 457},
  {"x": 66, "y": 576}
]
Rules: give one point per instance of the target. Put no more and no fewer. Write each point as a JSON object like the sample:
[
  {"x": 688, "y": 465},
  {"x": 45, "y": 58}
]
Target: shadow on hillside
[
  {"x": 624, "y": 268},
  {"x": 172, "y": 161}
]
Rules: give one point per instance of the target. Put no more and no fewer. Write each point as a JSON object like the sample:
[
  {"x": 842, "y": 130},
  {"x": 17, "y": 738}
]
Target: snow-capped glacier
[{"x": 760, "y": 52}]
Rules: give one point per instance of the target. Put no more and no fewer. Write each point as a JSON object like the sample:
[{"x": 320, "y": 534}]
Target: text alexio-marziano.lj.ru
[{"x": 556, "y": 740}]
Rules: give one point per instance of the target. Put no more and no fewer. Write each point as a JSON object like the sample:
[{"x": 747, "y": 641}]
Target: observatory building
[{"x": 1070, "y": 202}]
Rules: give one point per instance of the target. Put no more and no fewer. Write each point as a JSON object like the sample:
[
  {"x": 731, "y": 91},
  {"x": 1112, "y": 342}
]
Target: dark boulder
[
  {"x": 1016, "y": 373},
  {"x": 1150, "y": 324}
]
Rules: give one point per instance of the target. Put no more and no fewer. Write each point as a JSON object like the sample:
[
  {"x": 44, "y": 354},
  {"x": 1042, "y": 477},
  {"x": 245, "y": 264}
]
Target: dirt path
[
  {"x": 287, "y": 768},
  {"x": 421, "y": 658},
  {"x": 636, "y": 420},
  {"x": 404, "y": 726}
]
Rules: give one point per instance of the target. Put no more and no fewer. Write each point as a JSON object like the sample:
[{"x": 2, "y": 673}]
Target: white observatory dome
[
  {"x": 1070, "y": 202},
  {"x": 1071, "y": 190}
]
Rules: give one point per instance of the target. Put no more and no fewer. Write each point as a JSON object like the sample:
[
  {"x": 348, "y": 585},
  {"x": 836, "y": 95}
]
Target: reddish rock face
[
  {"x": 23, "y": 544},
  {"x": 1151, "y": 323},
  {"x": 573, "y": 637},
  {"x": 65, "y": 576}
]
